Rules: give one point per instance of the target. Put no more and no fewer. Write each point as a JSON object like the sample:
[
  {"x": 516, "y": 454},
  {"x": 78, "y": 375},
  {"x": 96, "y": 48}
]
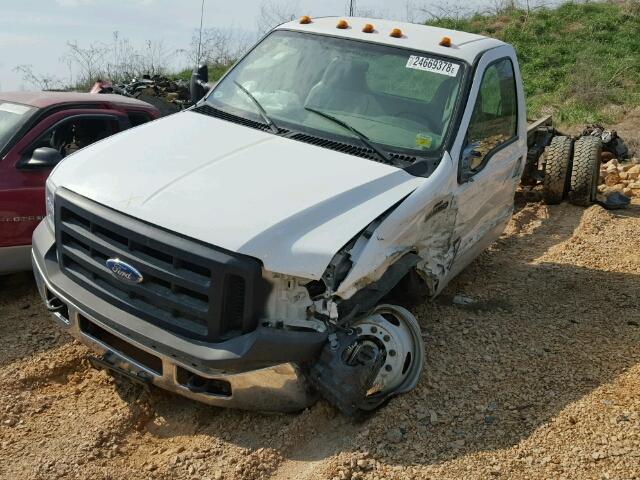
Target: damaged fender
[{"x": 423, "y": 224}]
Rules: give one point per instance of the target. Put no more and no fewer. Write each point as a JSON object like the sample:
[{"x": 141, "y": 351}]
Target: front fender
[{"x": 423, "y": 224}]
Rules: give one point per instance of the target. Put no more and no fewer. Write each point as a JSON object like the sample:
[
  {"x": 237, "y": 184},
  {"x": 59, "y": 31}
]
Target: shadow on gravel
[
  {"x": 539, "y": 337},
  {"x": 26, "y": 327}
]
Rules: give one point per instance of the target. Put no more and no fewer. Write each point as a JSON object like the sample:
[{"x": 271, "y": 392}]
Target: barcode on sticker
[{"x": 433, "y": 65}]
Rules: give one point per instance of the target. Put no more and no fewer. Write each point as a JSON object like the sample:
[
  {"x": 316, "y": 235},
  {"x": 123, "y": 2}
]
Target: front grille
[{"x": 194, "y": 290}]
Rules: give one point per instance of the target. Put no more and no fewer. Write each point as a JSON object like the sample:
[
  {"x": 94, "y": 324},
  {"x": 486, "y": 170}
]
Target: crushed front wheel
[{"x": 379, "y": 356}]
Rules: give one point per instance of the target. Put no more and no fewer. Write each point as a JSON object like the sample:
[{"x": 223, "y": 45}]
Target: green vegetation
[
  {"x": 215, "y": 72},
  {"x": 576, "y": 60}
]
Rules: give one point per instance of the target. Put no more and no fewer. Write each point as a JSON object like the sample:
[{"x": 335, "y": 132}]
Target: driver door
[{"x": 491, "y": 153}]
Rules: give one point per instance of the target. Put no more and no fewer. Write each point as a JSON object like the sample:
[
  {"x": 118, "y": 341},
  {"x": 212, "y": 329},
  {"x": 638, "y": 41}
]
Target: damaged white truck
[{"x": 254, "y": 250}]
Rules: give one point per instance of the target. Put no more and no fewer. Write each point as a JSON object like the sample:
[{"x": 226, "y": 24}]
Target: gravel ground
[{"x": 538, "y": 378}]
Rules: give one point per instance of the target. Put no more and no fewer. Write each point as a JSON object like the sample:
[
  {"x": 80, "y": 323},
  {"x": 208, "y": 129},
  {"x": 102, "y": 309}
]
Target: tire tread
[
  {"x": 585, "y": 170},
  {"x": 556, "y": 169}
]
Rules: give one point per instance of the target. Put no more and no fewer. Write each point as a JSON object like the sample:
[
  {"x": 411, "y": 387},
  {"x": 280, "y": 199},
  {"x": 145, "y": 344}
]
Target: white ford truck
[{"x": 254, "y": 250}]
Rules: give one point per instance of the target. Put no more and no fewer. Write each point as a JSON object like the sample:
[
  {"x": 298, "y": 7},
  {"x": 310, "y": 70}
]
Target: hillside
[{"x": 579, "y": 61}]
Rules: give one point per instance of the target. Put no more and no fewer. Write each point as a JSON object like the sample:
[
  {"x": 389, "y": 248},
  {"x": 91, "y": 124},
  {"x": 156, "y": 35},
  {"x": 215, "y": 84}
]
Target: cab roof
[
  {"x": 464, "y": 46},
  {"x": 49, "y": 99}
]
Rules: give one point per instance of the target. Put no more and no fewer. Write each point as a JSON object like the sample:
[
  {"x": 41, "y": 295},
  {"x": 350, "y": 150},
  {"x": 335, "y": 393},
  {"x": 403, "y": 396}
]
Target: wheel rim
[{"x": 396, "y": 330}]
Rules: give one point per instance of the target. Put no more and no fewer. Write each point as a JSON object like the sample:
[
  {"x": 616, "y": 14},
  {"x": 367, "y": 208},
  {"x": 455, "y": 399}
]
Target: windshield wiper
[
  {"x": 263, "y": 112},
  {"x": 360, "y": 135}
]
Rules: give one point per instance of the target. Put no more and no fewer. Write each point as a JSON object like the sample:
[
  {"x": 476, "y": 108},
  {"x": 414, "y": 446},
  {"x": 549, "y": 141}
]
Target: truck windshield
[
  {"x": 397, "y": 99},
  {"x": 12, "y": 117}
]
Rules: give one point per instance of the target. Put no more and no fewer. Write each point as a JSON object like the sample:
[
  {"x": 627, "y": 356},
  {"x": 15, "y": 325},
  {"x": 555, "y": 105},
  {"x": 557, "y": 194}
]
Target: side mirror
[
  {"x": 199, "y": 83},
  {"x": 43, "y": 157},
  {"x": 471, "y": 160},
  {"x": 203, "y": 73}
]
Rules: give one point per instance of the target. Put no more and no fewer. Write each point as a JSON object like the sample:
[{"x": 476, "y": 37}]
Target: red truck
[{"x": 38, "y": 130}]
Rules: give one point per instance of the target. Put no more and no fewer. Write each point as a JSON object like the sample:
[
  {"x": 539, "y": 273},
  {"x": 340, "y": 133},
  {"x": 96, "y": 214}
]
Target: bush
[{"x": 575, "y": 59}]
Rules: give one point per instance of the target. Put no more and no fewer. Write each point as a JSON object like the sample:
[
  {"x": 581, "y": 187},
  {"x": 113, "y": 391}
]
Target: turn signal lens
[
  {"x": 445, "y": 42},
  {"x": 396, "y": 33},
  {"x": 305, "y": 19},
  {"x": 342, "y": 24},
  {"x": 368, "y": 28}
]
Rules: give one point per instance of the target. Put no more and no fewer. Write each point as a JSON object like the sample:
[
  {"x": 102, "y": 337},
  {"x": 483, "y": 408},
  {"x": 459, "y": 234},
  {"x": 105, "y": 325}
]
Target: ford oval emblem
[{"x": 123, "y": 271}]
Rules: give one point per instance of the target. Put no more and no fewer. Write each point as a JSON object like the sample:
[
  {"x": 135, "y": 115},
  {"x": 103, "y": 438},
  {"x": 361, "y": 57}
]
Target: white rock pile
[{"x": 623, "y": 177}]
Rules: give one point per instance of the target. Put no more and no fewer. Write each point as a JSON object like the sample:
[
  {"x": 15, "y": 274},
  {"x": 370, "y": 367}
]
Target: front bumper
[{"x": 256, "y": 371}]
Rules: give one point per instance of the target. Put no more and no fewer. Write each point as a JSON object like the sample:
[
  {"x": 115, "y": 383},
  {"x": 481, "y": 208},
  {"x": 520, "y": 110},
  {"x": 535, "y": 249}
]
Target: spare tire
[
  {"x": 557, "y": 169},
  {"x": 585, "y": 171}
]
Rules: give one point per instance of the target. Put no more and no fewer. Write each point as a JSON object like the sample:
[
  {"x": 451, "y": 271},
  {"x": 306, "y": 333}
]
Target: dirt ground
[{"x": 538, "y": 378}]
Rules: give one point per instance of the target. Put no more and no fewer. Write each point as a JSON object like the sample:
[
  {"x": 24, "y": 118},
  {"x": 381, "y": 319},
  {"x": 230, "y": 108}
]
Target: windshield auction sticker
[{"x": 433, "y": 65}]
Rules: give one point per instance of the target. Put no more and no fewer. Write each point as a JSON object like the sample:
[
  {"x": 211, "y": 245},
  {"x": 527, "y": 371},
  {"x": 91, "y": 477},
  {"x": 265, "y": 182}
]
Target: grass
[
  {"x": 577, "y": 61},
  {"x": 215, "y": 72}
]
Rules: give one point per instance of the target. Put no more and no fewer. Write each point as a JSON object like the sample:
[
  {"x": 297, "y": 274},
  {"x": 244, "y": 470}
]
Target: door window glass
[
  {"x": 71, "y": 135},
  {"x": 495, "y": 115}
]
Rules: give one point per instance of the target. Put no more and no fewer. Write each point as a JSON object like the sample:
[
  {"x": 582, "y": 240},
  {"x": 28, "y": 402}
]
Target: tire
[
  {"x": 557, "y": 169},
  {"x": 585, "y": 172}
]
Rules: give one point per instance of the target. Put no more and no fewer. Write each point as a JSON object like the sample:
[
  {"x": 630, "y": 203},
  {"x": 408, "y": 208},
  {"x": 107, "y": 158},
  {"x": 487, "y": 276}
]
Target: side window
[
  {"x": 495, "y": 115},
  {"x": 138, "y": 118},
  {"x": 71, "y": 135}
]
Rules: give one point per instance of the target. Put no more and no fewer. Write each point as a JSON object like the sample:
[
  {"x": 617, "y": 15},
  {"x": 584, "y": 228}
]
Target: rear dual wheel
[
  {"x": 557, "y": 169},
  {"x": 585, "y": 173}
]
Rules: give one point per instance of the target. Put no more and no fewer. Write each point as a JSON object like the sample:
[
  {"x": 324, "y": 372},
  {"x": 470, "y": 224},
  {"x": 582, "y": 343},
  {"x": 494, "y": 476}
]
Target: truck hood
[{"x": 290, "y": 204}]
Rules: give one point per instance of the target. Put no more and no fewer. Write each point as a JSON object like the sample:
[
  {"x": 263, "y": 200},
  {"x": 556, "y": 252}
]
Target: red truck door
[{"x": 23, "y": 173}]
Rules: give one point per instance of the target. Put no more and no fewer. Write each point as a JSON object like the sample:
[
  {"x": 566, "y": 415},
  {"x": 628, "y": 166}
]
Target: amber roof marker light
[
  {"x": 396, "y": 33},
  {"x": 305, "y": 19},
  {"x": 445, "y": 42},
  {"x": 342, "y": 24},
  {"x": 368, "y": 28}
]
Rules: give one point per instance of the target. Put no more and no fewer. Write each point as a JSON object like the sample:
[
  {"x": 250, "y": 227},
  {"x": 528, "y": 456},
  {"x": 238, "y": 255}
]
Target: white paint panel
[{"x": 290, "y": 204}]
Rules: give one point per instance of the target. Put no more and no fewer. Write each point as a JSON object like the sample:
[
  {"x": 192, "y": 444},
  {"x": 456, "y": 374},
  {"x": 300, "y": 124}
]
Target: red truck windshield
[{"x": 12, "y": 117}]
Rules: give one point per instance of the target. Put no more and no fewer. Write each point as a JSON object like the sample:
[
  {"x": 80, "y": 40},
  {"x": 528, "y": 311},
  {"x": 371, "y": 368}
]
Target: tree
[
  {"x": 38, "y": 81},
  {"x": 273, "y": 13},
  {"x": 88, "y": 60},
  {"x": 118, "y": 61},
  {"x": 219, "y": 48}
]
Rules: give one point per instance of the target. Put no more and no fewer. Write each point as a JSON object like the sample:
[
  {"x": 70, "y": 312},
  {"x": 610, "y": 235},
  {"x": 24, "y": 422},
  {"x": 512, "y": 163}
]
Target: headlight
[{"x": 50, "y": 192}]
